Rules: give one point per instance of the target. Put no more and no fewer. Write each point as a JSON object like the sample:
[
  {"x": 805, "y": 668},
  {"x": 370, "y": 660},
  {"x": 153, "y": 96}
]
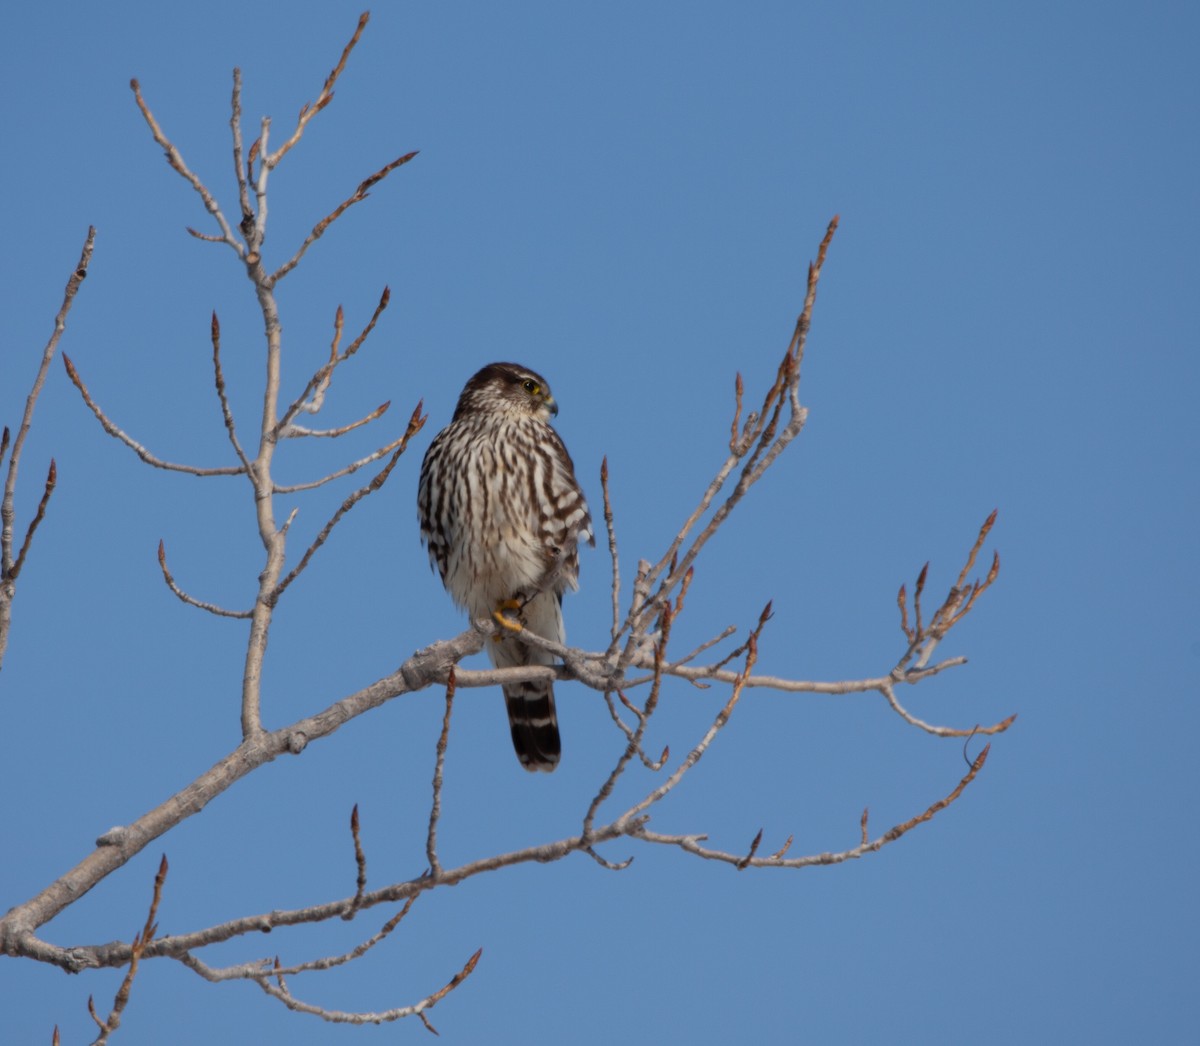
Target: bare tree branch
[
  {"x": 117, "y": 433},
  {"x": 691, "y": 843},
  {"x": 354, "y": 466},
  {"x": 240, "y": 169},
  {"x": 942, "y": 731},
  {"x": 226, "y": 413},
  {"x": 359, "y": 194},
  {"x": 10, "y": 563},
  {"x": 284, "y": 995},
  {"x": 318, "y": 384},
  {"x": 293, "y": 431},
  {"x": 312, "y": 398},
  {"x": 212, "y": 608},
  {"x": 435, "y": 812},
  {"x": 308, "y": 111},
  {"x": 175, "y": 159},
  {"x": 414, "y": 426},
  {"x": 634, "y": 747},
  {"x": 51, "y": 481},
  {"x": 693, "y": 757},
  {"x": 137, "y": 949}
]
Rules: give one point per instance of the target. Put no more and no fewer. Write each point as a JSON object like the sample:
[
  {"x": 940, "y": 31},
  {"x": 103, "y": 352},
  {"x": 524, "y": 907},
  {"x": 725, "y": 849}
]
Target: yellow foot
[{"x": 503, "y": 620}]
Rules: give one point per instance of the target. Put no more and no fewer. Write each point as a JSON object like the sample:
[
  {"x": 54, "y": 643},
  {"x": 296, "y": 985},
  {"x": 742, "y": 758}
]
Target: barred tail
[{"x": 534, "y": 724}]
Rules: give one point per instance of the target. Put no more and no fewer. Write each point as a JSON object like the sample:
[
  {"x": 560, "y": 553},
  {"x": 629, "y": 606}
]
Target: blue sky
[{"x": 625, "y": 197}]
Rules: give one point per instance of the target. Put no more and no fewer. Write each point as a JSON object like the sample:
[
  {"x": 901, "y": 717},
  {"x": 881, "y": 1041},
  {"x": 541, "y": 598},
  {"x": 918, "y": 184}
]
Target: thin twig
[
  {"x": 962, "y": 597},
  {"x": 191, "y": 601},
  {"x": 7, "y": 509},
  {"x": 318, "y": 384},
  {"x": 365, "y": 333},
  {"x": 923, "y": 639},
  {"x": 714, "y": 674},
  {"x": 284, "y": 995},
  {"x": 360, "y": 861},
  {"x": 702, "y": 745},
  {"x": 206, "y": 237},
  {"x": 252, "y": 971},
  {"x": 435, "y": 812},
  {"x": 308, "y": 111},
  {"x": 240, "y": 171},
  {"x": 359, "y": 194},
  {"x": 140, "y": 940},
  {"x": 296, "y": 488},
  {"x": 691, "y": 843},
  {"x": 941, "y": 731},
  {"x": 115, "y": 431},
  {"x": 294, "y": 431},
  {"x": 51, "y": 480},
  {"x": 332, "y": 961},
  {"x": 175, "y": 159},
  {"x": 414, "y": 426},
  {"x": 612, "y": 550},
  {"x": 708, "y": 644},
  {"x": 634, "y": 745},
  {"x": 762, "y": 430},
  {"x": 226, "y": 413}
]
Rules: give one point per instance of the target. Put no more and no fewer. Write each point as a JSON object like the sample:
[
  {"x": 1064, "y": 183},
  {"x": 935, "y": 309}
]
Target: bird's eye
[{"x": 531, "y": 386}]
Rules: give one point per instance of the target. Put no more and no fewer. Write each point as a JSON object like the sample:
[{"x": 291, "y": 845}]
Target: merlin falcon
[{"x": 502, "y": 515}]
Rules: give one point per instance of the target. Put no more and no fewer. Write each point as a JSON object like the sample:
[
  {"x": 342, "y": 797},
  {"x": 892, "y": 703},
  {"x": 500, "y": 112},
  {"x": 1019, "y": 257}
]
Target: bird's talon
[{"x": 503, "y": 620}]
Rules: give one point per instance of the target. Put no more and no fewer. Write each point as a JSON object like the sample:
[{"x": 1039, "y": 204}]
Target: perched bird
[{"x": 502, "y": 515}]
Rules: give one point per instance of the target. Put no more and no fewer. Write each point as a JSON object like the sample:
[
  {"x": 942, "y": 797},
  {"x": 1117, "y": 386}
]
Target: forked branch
[
  {"x": 137, "y": 949},
  {"x": 12, "y": 557},
  {"x": 310, "y": 109},
  {"x": 692, "y": 843},
  {"x": 924, "y": 638}
]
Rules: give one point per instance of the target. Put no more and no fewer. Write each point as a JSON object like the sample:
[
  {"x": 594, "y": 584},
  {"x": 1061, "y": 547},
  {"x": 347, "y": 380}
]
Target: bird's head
[{"x": 509, "y": 389}]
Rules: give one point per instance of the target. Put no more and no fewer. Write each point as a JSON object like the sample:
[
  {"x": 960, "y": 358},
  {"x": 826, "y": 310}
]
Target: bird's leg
[{"x": 503, "y": 620}]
